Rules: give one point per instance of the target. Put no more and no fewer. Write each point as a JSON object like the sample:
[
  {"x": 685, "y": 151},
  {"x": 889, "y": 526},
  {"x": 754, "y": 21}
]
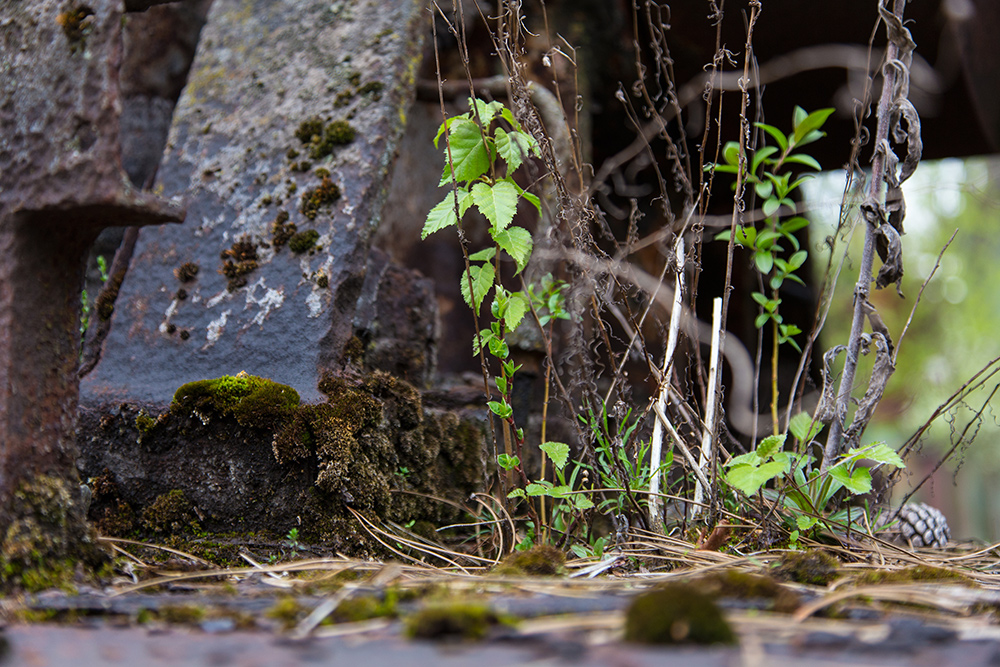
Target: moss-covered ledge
[{"x": 240, "y": 455}]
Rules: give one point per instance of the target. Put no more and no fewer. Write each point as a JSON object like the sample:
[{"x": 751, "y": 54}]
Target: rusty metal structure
[{"x": 61, "y": 183}]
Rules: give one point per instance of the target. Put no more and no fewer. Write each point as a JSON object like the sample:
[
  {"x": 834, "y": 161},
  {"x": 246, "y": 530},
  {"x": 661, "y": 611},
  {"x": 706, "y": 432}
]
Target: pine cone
[{"x": 920, "y": 525}]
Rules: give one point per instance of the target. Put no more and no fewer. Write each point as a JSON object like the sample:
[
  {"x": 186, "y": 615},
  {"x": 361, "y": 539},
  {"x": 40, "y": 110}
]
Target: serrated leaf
[
  {"x": 482, "y": 281},
  {"x": 483, "y": 338},
  {"x": 557, "y": 451},
  {"x": 857, "y": 482},
  {"x": 769, "y": 445},
  {"x": 516, "y": 242},
  {"x": 484, "y": 255},
  {"x": 500, "y": 409},
  {"x": 532, "y": 199},
  {"x": 507, "y": 461},
  {"x": 513, "y": 147},
  {"x": 582, "y": 502},
  {"x": 468, "y": 152},
  {"x": 517, "y": 307},
  {"x": 538, "y": 489},
  {"x": 750, "y": 458},
  {"x": 440, "y": 217},
  {"x": 878, "y": 452},
  {"x": 516, "y": 493},
  {"x": 447, "y": 124},
  {"x": 486, "y": 111},
  {"x": 749, "y": 479},
  {"x": 805, "y": 522},
  {"x": 497, "y": 202},
  {"x": 799, "y": 426}
]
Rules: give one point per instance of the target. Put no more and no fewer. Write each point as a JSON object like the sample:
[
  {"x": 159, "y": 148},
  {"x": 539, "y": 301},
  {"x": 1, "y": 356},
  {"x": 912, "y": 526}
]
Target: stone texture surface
[{"x": 262, "y": 68}]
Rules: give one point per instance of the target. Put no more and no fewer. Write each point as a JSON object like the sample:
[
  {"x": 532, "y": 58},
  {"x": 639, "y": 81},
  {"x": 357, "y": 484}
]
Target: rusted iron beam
[{"x": 61, "y": 182}]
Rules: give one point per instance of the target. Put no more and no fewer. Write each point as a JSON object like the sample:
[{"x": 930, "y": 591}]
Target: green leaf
[
  {"x": 799, "y": 426},
  {"x": 857, "y": 482},
  {"x": 516, "y": 309},
  {"x": 750, "y": 458},
  {"x": 798, "y": 115},
  {"x": 764, "y": 189},
  {"x": 792, "y": 225},
  {"x": 447, "y": 125},
  {"x": 484, "y": 337},
  {"x": 813, "y": 121},
  {"x": 746, "y": 235},
  {"x": 764, "y": 261},
  {"x": 514, "y": 148},
  {"x": 517, "y": 493},
  {"x": 508, "y": 462},
  {"x": 731, "y": 153},
  {"x": 501, "y": 385},
  {"x": 497, "y": 202},
  {"x": 484, "y": 255},
  {"x": 539, "y": 488},
  {"x": 486, "y": 111},
  {"x": 582, "y": 502},
  {"x": 761, "y": 155},
  {"x": 532, "y": 199},
  {"x": 878, "y": 452},
  {"x": 807, "y": 160},
  {"x": 770, "y": 206},
  {"x": 805, "y": 522},
  {"x": 761, "y": 320},
  {"x": 761, "y": 300},
  {"x": 500, "y": 409},
  {"x": 499, "y": 348},
  {"x": 798, "y": 259},
  {"x": 516, "y": 241},
  {"x": 749, "y": 479},
  {"x": 482, "y": 281},
  {"x": 778, "y": 135},
  {"x": 440, "y": 217},
  {"x": 769, "y": 445},
  {"x": 468, "y": 152},
  {"x": 557, "y": 451}
]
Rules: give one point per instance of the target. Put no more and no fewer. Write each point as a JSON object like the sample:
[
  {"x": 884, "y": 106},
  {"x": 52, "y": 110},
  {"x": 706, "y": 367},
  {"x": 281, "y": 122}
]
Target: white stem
[
  {"x": 656, "y": 450},
  {"x": 710, "y": 401}
]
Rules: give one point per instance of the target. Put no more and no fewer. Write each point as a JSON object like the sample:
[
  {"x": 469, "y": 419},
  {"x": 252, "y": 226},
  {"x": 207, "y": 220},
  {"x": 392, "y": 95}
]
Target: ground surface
[{"x": 272, "y": 616}]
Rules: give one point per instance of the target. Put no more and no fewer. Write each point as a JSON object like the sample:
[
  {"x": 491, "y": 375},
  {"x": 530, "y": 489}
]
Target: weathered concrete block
[{"x": 288, "y": 124}]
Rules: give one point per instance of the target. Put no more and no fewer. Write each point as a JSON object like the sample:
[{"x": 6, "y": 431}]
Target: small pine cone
[{"x": 921, "y": 525}]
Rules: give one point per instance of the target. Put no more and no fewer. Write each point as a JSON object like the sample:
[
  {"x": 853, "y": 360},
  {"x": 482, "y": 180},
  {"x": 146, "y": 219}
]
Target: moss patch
[
  {"x": 540, "y": 560},
  {"x": 676, "y": 614},
  {"x": 910, "y": 575},
  {"x": 814, "y": 567},
  {"x": 170, "y": 513},
  {"x": 238, "y": 261},
  {"x": 452, "y": 620},
  {"x": 303, "y": 241},
  {"x": 746, "y": 586},
  {"x": 281, "y": 229},
  {"x": 252, "y": 400},
  {"x": 320, "y": 138},
  {"x": 315, "y": 199}
]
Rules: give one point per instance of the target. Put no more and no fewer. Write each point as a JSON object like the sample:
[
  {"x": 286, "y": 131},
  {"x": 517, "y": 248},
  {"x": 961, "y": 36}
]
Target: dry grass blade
[
  {"x": 146, "y": 545},
  {"x": 386, "y": 575},
  {"x": 952, "y": 598}
]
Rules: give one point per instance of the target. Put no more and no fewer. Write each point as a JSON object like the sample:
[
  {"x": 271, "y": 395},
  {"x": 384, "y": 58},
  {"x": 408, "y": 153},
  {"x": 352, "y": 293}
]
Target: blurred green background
[{"x": 954, "y": 332}]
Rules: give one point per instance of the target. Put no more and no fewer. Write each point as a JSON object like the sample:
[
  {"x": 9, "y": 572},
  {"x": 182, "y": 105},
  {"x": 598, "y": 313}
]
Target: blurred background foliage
[{"x": 955, "y": 330}]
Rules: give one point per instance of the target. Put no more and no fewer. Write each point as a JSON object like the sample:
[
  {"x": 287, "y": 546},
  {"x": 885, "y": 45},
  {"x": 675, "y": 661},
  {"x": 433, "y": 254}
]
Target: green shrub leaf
[
  {"x": 482, "y": 281},
  {"x": 516, "y": 241},
  {"x": 497, "y": 202},
  {"x": 557, "y": 451},
  {"x": 468, "y": 152}
]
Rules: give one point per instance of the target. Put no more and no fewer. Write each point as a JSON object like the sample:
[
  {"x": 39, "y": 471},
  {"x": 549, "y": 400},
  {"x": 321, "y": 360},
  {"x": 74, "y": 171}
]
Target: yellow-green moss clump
[
  {"x": 239, "y": 260},
  {"x": 541, "y": 560},
  {"x": 46, "y": 537},
  {"x": 252, "y": 400},
  {"x": 452, "y": 620},
  {"x": 676, "y": 614},
  {"x": 282, "y": 230}
]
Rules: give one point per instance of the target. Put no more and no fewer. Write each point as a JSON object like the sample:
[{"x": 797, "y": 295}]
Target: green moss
[
  {"x": 733, "y": 583},
  {"x": 373, "y": 88},
  {"x": 321, "y": 139},
  {"x": 170, "y": 513},
  {"x": 183, "y": 614},
  {"x": 288, "y": 611},
  {"x": 144, "y": 422},
  {"x": 452, "y": 620},
  {"x": 366, "y": 607},
  {"x": 252, "y": 400},
  {"x": 316, "y": 198},
  {"x": 910, "y": 575},
  {"x": 814, "y": 567},
  {"x": 310, "y": 130},
  {"x": 675, "y": 614},
  {"x": 540, "y": 560},
  {"x": 303, "y": 241}
]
